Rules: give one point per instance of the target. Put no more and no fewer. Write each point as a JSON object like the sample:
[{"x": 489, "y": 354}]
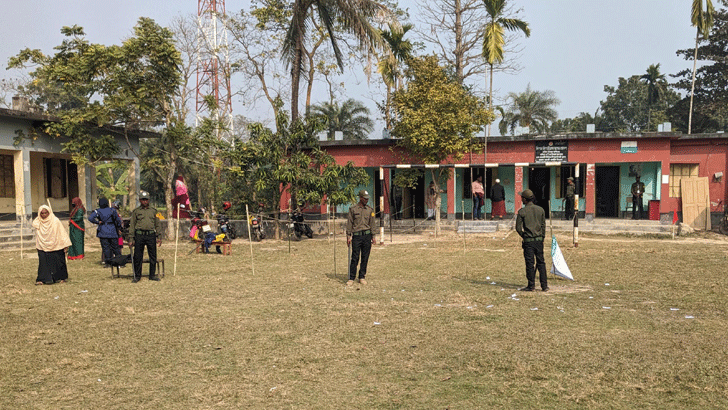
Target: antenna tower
[{"x": 213, "y": 68}]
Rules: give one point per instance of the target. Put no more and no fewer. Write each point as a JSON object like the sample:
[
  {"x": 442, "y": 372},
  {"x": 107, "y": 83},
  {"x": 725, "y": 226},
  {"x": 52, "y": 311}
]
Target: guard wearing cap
[
  {"x": 569, "y": 207},
  {"x": 531, "y": 225},
  {"x": 145, "y": 230},
  {"x": 360, "y": 236}
]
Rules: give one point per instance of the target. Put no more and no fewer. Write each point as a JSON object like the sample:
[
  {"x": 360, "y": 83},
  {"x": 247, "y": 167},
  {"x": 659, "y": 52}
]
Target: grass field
[{"x": 441, "y": 325}]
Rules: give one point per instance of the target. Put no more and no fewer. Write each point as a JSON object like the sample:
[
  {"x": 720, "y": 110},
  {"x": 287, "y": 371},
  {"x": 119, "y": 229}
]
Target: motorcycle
[
  {"x": 256, "y": 230},
  {"x": 300, "y": 227},
  {"x": 223, "y": 223},
  {"x": 723, "y": 227}
]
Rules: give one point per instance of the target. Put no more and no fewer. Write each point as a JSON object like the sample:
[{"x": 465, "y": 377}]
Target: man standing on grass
[
  {"x": 144, "y": 226},
  {"x": 360, "y": 237},
  {"x": 531, "y": 225}
]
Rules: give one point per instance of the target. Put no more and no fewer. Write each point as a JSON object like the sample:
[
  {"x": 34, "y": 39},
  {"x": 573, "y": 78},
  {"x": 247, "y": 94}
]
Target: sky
[{"x": 576, "y": 47}]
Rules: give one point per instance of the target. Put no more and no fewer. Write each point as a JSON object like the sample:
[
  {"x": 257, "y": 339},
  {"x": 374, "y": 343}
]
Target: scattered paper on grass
[
  {"x": 377, "y": 323},
  {"x": 534, "y": 308},
  {"x": 689, "y": 317},
  {"x": 606, "y": 284},
  {"x": 83, "y": 291},
  {"x": 489, "y": 306},
  {"x": 438, "y": 305},
  {"x": 57, "y": 297},
  {"x": 492, "y": 283},
  {"x": 487, "y": 278},
  {"x": 606, "y": 307},
  {"x": 674, "y": 309}
]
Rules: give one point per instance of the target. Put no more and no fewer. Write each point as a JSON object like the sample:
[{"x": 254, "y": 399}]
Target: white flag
[{"x": 558, "y": 263}]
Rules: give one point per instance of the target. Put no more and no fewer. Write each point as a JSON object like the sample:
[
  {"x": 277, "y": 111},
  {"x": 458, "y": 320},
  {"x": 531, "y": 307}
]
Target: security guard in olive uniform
[
  {"x": 570, "y": 195},
  {"x": 360, "y": 236},
  {"x": 531, "y": 225},
  {"x": 146, "y": 230}
]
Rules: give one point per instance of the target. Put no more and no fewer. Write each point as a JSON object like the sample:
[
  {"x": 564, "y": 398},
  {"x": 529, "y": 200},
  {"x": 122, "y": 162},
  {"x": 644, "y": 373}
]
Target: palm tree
[
  {"x": 494, "y": 41},
  {"x": 530, "y": 109},
  {"x": 703, "y": 21},
  {"x": 399, "y": 50},
  {"x": 351, "y": 15},
  {"x": 656, "y": 87},
  {"x": 352, "y": 118}
]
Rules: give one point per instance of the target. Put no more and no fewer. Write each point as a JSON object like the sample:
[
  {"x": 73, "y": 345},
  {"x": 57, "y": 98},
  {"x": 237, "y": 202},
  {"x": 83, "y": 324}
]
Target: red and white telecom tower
[{"x": 213, "y": 67}]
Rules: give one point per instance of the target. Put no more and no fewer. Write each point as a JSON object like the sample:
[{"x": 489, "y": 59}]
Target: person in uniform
[
  {"x": 497, "y": 200},
  {"x": 638, "y": 188},
  {"x": 478, "y": 196},
  {"x": 360, "y": 236},
  {"x": 531, "y": 225},
  {"x": 570, "y": 192},
  {"x": 145, "y": 230}
]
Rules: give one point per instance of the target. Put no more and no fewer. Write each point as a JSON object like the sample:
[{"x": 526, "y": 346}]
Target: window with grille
[
  {"x": 677, "y": 173},
  {"x": 7, "y": 177}
]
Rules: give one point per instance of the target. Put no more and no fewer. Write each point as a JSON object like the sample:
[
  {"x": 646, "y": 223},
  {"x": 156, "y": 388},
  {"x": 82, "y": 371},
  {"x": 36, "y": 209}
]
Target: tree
[
  {"x": 398, "y": 51},
  {"x": 531, "y": 109},
  {"x": 290, "y": 160},
  {"x": 351, "y": 117},
  {"x": 702, "y": 20},
  {"x": 494, "y": 40},
  {"x": 710, "y": 93},
  {"x": 436, "y": 117},
  {"x": 92, "y": 89},
  {"x": 627, "y": 107},
  {"x": 352, "y": 16},
  {"x": 656, "y": 89},
  {"x": 576, "y": 124}
]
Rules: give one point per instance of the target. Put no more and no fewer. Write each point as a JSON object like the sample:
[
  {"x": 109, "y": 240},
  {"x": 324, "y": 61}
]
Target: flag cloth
[{"x": 558, "y": 263}]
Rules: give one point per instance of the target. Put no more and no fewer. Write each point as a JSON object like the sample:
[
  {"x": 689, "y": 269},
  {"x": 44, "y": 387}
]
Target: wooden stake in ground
[
  {"x": 176, "y": 242},
  {"x": 250, "y": 239}
]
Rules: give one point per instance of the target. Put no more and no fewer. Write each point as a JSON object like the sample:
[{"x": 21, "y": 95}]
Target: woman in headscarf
[
  {"x": 109, "y": 225},
  {"x": 181, "y": 198},
  {"x": 76, "y": 229},
  {"x": 52, "y": 241}
]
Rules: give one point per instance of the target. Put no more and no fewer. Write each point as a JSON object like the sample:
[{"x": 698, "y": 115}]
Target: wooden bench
[
  {"x": 159, "y": 264},
  {"x": 226, "y": 246}
]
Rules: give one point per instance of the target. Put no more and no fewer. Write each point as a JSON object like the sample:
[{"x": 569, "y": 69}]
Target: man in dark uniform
[
  {"x": 638, "y": 188},
  {"x": 145, "y": 230},
  {"x": 570, "y": 191},
  {"x": 531, "y": 225},
  {"x": 360, "y": 236}
]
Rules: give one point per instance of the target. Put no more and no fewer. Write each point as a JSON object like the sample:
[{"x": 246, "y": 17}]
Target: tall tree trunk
[
  {"x": 692, "y": 89},
  {"x": 459, "y": 42}
]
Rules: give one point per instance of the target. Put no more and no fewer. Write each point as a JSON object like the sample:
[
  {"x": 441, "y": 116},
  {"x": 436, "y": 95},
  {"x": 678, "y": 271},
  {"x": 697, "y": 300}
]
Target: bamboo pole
[
  {"x": 176, "y": 242},
  {"x": 250, "y": 240}
]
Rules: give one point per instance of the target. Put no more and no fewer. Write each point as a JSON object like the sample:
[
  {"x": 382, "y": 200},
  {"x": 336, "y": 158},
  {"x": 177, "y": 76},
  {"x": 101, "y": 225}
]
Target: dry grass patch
[{"x": 438, "y": 326}]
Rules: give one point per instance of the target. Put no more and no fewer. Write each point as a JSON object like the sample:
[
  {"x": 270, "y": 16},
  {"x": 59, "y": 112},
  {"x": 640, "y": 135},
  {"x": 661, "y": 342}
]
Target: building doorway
[
  {"x": 539, "y": 181},
  {"x": 606, "y": 186}
]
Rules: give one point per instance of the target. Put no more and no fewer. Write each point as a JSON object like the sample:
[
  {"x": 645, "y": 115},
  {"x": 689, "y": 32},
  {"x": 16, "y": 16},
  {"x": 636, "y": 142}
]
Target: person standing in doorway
[
  {"x": 397, "y": 194},
  {"x": 478, "y": 197},
  {"x": 145, "y": 230},
  {"x": 360, "y": 236},
  {"x": 570, "y": 195},
  {"x": 497, "y": 200},
  {"x": 638, "y": 188},
  {"x": 531, "y": 225}
]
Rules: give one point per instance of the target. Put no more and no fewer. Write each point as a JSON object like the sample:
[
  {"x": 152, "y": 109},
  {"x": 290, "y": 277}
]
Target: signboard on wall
[{"x": 552, "y": 151}]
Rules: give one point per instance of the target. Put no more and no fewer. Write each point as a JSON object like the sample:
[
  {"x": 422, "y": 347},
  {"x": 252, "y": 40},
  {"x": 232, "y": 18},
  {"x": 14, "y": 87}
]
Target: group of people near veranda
[{"x": 55, "y": 244}]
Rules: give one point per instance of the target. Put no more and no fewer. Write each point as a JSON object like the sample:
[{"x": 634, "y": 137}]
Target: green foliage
[
  {"x": 111, "y": 179},
  {"x": 531, "y": 109},
  {"x": 96, "y": 91},
  {"x": 494, "y": 34},
  {"x": 290, "y": 160},
  {"x": 627, "y": 107},
  {"x": 710, "y": 105},
  {"x": 436, "y": 117},
  {"x": 351, "y": 117}
]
